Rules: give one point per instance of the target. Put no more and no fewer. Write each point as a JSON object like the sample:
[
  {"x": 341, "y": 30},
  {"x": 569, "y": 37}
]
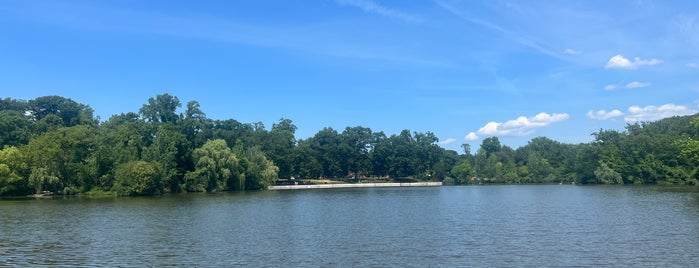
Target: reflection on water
[{"x": 546, "y": 225}]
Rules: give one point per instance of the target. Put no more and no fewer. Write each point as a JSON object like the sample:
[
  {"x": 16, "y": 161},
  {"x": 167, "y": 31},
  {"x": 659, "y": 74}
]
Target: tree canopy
[{"x": 55, "y": 144}]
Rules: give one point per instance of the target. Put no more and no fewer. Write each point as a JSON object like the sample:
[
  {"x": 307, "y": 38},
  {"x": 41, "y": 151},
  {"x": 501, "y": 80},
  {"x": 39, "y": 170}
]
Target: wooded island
[{"x": 54, "y": 144}]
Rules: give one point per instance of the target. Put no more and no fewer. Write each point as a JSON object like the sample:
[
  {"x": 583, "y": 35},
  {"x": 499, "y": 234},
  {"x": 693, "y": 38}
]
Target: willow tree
[{"x": 215, "y": 169}]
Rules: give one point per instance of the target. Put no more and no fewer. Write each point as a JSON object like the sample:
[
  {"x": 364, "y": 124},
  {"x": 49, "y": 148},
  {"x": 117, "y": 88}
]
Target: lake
[{"x": 526, "y": 225}]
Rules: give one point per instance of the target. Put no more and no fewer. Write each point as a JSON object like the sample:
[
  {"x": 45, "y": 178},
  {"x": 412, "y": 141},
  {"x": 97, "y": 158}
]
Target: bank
[{"x": 355, "y": 185}]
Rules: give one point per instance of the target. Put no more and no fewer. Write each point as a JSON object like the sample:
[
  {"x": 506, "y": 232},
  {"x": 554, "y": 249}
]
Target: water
[{"x": 542, "y": 225}]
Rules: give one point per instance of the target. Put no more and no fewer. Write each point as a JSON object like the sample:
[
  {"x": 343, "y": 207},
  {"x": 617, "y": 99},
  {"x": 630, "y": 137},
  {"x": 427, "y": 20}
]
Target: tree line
[{"x": 55, "y": 144}]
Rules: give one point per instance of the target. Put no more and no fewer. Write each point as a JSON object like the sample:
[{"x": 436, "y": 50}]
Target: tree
[
  {"x": 161, "y": 109},
  {"x": 279, "y": 144},
  {"x": 70, "y": 112},
  {"x": 138, "y": 178},
  {"x": 358, "y": 142},
  {"x": 690, "y": 155},
  {"x": 196, "y": 126},
  {"x": 8, "y": 104},
  {"x": 258, "y": 171},
  {"x": 462, "y": 172},
  {"x": 539, "y": 167},
  {"x": 171, "y": 149},
  {"x": 467, "y": 148},
  {"x": 42, "y": 179},
  {"x": 216, "y": 169},
  {"x": 14, "y": 128},
  {"x": 491, "y": 145},
  {"x": 306, "y": 163},
  {"x": 607, "y": 175},
  {"x": 326, "y": 144},
  {"x": 62, "y": 153},
  {"x": 12, "y": 165}
]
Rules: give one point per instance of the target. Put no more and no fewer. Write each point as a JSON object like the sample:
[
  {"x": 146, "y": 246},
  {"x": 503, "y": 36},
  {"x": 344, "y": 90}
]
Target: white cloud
[
  {"x": 521, "y": 126},
  {"x": 632, "y": 85},
  {"x": 471, "y": 136},
  {"x": 611, "y": 87},
  {"x": 604, "y": 115},
  {"x": 652, "y": 113},
  {"x": 636, "y": 84},
  {"x": 447, "y": 141},
  {"x": 571, "y": 51},
  {"x": 619, "y": 62},
  {"x": 692, "y": 65},
  {"x": 372, "y": 7}
]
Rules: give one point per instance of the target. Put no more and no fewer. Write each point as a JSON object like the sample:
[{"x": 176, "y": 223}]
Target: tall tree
[
  {"x": 279, "y": 145},
  {"x": 70, "y": 112},
  {"x": 161, "y": 109},
  {"x": 216, "y": 169}
]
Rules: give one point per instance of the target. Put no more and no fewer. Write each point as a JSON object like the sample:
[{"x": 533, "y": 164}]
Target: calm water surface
[{"x": 543, "y": 225}]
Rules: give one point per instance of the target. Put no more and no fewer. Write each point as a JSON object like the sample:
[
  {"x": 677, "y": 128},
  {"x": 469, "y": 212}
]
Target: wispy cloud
[
  {"x": 604, "y": 115},
  {"x": 619, "y": 62},
  {"x": 447, "y": 141},
  {"x": 372, "y": 7},
  {"x": 320, "y": 39},
  {"x": 636, "y": 84},
  {"x": 647, "y": 113},
  {"x": 611, "y": 87},
  {"x": 571, "y": 51},
  {"x": 692, "y": 65},
  {"x": 632, "y": 85},
  {"x": 521, "y": 126},
  {"x": 517, "y": 37},
  {"x": 651, "y": 113}
]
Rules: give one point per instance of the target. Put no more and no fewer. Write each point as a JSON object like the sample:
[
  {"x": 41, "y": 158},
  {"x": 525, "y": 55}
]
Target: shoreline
[{"x": 355, "y": 185}]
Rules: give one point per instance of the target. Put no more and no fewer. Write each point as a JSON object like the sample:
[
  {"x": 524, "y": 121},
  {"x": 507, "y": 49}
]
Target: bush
[{"x": 138, "y": 178}]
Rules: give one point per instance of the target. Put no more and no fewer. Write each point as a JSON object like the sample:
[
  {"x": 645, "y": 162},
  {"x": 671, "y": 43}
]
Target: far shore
[{"x": 355, "y": 185}]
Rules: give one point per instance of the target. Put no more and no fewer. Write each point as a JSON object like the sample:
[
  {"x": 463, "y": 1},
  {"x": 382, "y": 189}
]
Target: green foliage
[
  {"x": 161, "y": 109},
  {"x": 216, "y": 169},
  {"x": 258, "y": 171},
  {"x": 55, "y": 144},
  {"x": 607, "y": 175},
  {"x": 462, "y": 172},
  {"x": 42, "y": 180},
  {"x": 138, "y": 178},
  {"x": 68, "y": 112},
  {"x": 14, "y": 128},
  {"x": 11, "y": 168}
]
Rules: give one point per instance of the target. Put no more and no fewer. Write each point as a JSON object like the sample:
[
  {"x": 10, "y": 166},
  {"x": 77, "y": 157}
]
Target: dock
[{"x": 354, "y": 185}]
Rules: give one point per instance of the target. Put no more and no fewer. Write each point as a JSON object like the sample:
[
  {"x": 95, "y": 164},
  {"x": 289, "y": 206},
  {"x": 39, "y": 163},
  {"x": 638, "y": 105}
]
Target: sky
[{"x": 464, "y": 70}]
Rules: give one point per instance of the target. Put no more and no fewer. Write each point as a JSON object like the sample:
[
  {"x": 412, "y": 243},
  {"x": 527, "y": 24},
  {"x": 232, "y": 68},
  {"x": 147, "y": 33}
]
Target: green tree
[
  {"x": 279, "y": 144},
  {"x": 70, "y": 112},
  {"x": 216, "y": 169},
  {"x": 690, "y": 155},
  {"x": 358, "y": 143},
  {"x": 539, "y": 168},
  {"x": 62, "y": 153},
  {"x": 41, "y": 179},
  {"x": 258, "y": 171},
  {"x": 172, "y": 150},
  {"x": 607, "y": 175},
  {"x": 491, "y": 145},
  {"x": 462, "y": 172},
  {"x": 12, "y": 165},
  {"x": 138, "y": 178},
  {"x": 14, "y": 128},
  {"x": 197, "y": 128},
  {"x": 161, "y": 109}
]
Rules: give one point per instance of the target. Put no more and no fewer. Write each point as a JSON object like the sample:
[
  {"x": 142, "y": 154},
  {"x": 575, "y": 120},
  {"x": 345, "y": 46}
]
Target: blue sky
[{"x": 464, "y": 70}]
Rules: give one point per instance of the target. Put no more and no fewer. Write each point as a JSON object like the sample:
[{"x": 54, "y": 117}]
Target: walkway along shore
[{"x": 355, "y": 185}]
